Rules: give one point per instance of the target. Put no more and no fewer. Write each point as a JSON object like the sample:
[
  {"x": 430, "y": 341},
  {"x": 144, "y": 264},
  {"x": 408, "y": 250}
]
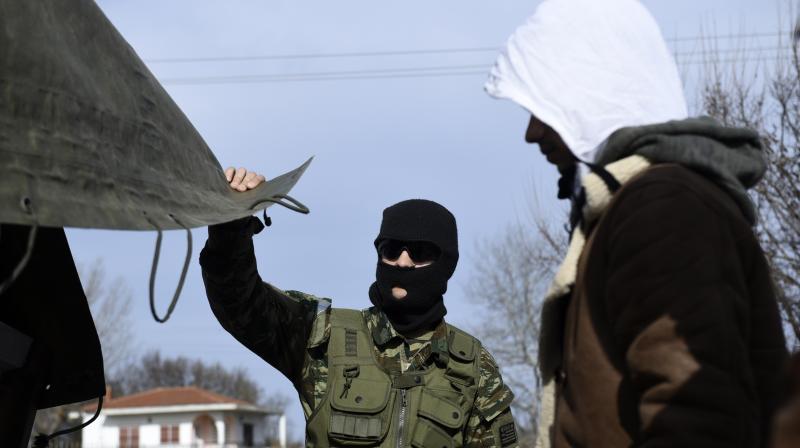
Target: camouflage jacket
[{"x": 290, "y": 331}]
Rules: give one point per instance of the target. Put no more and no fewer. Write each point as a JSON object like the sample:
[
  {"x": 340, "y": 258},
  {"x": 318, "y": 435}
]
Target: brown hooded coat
[{"x": 672, "y": 335}]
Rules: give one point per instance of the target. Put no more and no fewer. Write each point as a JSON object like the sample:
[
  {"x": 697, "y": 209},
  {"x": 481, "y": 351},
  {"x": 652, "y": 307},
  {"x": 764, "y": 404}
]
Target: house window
[
  {"x": 169, "y": 434},
  {"x": 129, "y": 437}
]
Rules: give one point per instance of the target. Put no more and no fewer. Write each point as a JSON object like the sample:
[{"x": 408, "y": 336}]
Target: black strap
[
  {"x": 611, "y": 182},
  {"x": 579, "y": 198}
]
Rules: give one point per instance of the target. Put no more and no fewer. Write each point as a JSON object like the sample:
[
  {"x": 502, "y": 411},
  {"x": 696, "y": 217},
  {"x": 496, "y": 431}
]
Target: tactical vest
[{"x": 366, "y": 406}]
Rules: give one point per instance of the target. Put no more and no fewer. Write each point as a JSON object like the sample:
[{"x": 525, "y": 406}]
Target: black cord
[
  {"x": 286, "y": 201},
  {"x": 154, "y": 269},
  {"x": 267, "y": 219},
  {"x": 43, "y": 440}
]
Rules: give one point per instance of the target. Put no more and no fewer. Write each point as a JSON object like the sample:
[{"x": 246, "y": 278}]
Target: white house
[{"x": 182, "y": 417}]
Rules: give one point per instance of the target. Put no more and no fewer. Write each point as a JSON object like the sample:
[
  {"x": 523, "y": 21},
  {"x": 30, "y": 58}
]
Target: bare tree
[
  {"x": 510, "y": 277},
  {"x": 109, "y": 303},
  {"x": 153, "y": 370},
  {"x": 767, "y": 99}
]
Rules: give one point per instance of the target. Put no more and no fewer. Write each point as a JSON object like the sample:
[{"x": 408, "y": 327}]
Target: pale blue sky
[{"x": 376, "y": 141}]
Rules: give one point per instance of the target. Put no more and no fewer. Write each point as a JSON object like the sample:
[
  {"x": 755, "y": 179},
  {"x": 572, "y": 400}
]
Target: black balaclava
[{"x": 416, "y": 220}]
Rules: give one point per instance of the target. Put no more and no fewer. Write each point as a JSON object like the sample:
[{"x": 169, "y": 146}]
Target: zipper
[{"x": 401, "y": 418}]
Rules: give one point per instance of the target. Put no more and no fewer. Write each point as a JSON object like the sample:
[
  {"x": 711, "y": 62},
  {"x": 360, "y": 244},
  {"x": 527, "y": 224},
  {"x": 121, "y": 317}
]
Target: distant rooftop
[{"x": 172, "y": 397}]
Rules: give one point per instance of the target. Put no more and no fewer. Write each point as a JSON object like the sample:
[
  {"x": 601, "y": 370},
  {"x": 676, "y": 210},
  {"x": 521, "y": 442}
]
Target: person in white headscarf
[{"x": 661, "y": 327}]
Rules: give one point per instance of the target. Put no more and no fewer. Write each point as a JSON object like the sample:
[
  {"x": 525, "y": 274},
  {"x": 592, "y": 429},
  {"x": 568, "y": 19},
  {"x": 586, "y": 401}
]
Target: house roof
[{"x": 163, "y": 397}]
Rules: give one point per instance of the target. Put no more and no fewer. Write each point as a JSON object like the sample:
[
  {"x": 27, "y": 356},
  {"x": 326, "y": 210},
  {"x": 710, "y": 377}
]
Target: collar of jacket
[
  {"x": 383, "y": 332},
  {"x": 731, "y": 157}
]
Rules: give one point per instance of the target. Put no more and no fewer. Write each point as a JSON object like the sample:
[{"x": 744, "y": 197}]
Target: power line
[
  {"x": 690, "y": 54},
  {"x": 723, "y": 37},
  {"x": 366, "y": 54},
  {"x": 400, "y": 73},
  {"x": 704, "y": 56},
  {"x": 324, "y": 55},
  {"x": 316, "y": 75},
  {"x": 734, "y": 60},
  {"x": 207, "y": 81},
  {"x": 712, "y": 52}
]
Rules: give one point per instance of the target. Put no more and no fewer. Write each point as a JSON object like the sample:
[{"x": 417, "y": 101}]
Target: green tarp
[{"x": 89, "y": 138}]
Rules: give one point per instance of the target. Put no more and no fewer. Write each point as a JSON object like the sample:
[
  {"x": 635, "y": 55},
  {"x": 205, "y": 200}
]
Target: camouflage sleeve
[
  {"x": 314, "y": 382},
  {"x": 491, "y": 423},
  {"x": 273, "y": 324}
]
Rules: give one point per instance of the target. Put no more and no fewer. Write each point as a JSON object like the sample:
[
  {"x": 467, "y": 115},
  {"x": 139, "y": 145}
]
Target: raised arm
[{"x": 271, "y": 323}]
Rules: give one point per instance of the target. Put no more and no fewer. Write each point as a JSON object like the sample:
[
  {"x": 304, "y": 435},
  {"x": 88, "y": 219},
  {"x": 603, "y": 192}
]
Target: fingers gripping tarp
[{"x": 89, "y": 138}]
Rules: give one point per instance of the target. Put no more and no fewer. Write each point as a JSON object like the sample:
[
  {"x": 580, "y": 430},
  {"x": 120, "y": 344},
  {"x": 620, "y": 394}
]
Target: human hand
[{"x": 242, "y": 180}]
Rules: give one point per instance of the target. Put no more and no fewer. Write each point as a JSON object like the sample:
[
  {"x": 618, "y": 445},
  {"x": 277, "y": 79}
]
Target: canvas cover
[{"x": 89, "y": 138}]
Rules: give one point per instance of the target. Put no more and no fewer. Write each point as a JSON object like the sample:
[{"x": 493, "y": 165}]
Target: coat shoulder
[{"x": 670, "y": 181}]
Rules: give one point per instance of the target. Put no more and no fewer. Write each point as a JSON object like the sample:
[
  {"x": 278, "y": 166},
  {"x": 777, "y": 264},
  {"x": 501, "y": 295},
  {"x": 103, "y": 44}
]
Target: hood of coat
[
  {"x": 732, "y": 157},
  {"x": 587, "y": 68}
]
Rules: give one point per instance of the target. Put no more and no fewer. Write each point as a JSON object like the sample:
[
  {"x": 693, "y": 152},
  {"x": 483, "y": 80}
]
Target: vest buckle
[{"x": 349, "y": 373}]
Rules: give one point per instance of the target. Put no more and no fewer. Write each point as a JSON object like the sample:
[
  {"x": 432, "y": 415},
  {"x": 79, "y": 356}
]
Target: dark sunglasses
[{"x": 419, "y": 251}]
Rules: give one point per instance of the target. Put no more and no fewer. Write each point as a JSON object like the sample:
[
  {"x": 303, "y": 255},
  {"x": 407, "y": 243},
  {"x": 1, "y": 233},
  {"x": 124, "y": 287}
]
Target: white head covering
[{"x": 589, "y": 67}]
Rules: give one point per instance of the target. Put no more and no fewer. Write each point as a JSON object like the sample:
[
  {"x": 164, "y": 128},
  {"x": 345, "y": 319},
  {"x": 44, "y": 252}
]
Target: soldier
[{"x": 395, "y": 374}]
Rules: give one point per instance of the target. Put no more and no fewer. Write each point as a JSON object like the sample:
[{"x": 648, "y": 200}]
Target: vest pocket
[
  {"x": 359, "y": 412},
  {"x": 440, "y": 421},
  {"x": 441, "y": 411},
  {"x": 355, "y": 427},
  {"x": 426, "y": 435}
]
